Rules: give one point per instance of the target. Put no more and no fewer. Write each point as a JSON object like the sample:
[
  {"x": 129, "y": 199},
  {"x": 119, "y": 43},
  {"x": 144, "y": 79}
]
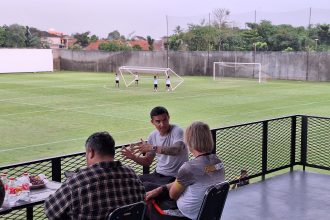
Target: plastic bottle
[
  {"x": 11, "y": 191},
  {"x": 25, "y": 184}
]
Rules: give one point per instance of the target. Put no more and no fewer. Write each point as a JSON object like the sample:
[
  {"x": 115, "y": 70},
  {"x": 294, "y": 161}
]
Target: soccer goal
[
  {"x": 129, "y": 74},
  {"x": 234, "y": 69}
]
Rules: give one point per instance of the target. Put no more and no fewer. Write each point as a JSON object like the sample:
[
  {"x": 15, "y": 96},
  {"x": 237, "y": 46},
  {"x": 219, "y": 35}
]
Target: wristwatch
[{"x": 154, "y": 148}]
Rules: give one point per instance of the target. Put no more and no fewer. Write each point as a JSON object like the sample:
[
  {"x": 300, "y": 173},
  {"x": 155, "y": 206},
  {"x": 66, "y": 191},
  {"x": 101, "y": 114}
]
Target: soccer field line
[
  {"x": 67, "y": 109},
  {"x": 119, "y": 103},
  {"x": 18, "y": 98},
  {"x": 267, "y": 109},
  {"x": 82, "y": 107},
  {"x": 65, "y": 140},
  {"x": 39, "y": 85}
]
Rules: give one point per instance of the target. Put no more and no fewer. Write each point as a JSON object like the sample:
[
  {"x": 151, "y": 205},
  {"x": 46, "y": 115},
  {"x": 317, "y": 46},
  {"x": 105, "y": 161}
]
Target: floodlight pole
[
  {"x": 310, "y": 17},
  {"x": 168, "y": 45},
  {"x": 254, "y": 56},
  {"x": 208, "y": 45}
]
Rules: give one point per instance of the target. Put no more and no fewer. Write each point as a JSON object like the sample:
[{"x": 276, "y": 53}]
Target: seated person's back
[
  {"x": 97, "y": 190},
  {"x": 197, "y": 175}
]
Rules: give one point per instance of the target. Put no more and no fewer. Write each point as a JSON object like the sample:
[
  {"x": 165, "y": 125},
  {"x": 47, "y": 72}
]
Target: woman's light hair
[{"x": 198, "y": 137}]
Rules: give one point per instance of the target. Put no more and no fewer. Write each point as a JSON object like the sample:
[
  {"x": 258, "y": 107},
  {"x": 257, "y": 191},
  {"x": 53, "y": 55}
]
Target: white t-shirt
[
  {"x": 155, "y": 81},
  {"x": 168, "y": 81},
  {"x": 117, "y": 78},
  {"x": 166, "y": 164},
  {"x": 136, "y": 77}
]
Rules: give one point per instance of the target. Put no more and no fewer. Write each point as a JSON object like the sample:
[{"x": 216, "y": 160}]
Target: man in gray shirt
[{"x": 165, "y": 143}]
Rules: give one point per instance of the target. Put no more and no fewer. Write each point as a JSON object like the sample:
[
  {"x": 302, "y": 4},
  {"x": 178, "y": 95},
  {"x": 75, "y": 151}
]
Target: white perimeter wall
[{"x": 26, "y": 60}]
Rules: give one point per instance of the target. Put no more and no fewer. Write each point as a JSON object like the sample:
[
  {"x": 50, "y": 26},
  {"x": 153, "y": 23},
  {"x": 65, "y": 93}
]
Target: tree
[
  {"x": 250, "y": 37},
  {"x": 2, "y": 36},
  {"x": 137, "y": 47},
  {"x": 82, "y": 39},
  {"x": 323, "y": 33},
  {"x": 220, "y": 17},
  {"x": 175, "y": 42},
  {"x": 114, "y": 46},
  {"x": 195, "y": 37},
  {"x": 114, "y": 35},
  {"x": 286, "y": 36},
  {"x": 94, "y": 38},
  {"x": 75, "y": 47},
  {"x": 15, "y": 36},
  {"x": 150, "y": 43},
  {"x": 261, "y": 46},
  {"x": 178, "y": 30}
]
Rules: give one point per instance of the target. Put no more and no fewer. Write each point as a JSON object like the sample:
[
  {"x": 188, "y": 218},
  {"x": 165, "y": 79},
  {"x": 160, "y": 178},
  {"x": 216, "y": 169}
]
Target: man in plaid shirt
[{"x": 95, "y": 191}]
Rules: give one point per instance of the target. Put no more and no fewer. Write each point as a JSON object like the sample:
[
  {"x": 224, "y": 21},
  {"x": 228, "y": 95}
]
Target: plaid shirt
[{"x": 94, "y": 192}]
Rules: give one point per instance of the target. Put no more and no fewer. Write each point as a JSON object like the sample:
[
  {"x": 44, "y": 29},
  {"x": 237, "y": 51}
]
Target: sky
[{"x": 153, "y": 17}]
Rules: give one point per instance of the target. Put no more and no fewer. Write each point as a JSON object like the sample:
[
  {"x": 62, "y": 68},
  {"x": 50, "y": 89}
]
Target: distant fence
[
  {"x": 261, "y": 148},
  {"x": 310, "y": 66}
]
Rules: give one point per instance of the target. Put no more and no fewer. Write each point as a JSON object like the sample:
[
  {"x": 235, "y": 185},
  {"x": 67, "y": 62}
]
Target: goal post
[
  {"x": 128, "y": 73},
  {"x": 246, "y": 69}
]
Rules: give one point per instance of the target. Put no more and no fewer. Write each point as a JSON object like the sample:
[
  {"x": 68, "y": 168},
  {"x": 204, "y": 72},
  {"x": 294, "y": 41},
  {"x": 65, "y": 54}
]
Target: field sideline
[{"x": 49, "y": 114}]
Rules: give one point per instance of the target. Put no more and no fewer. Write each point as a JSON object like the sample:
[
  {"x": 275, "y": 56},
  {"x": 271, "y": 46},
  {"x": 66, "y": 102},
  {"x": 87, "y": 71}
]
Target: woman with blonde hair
[{"x": 194, "y": 176}]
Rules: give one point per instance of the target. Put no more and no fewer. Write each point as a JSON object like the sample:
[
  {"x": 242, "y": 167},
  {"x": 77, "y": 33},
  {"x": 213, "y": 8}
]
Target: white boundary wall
[{"x": 26, "y": 60}]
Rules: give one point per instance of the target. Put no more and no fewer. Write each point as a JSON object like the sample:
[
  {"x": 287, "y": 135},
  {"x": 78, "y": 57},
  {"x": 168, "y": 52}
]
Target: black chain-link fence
[{"x": 259, "y": 147}]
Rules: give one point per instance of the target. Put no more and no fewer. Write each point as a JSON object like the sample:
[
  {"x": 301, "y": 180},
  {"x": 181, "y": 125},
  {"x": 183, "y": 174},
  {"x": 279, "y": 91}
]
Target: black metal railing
[{"x": 261, "y": 148}]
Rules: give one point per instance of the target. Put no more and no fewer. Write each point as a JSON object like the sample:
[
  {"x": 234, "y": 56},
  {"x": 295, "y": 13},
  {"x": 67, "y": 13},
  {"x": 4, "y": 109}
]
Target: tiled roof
[
  {"x": 95, "y": 45},
  {"x": 142, "y": 43}
]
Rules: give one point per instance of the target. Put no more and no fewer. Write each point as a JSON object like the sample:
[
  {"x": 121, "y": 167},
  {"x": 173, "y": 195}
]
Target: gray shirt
[
  {"x": 197, "y": 175},
  {"x": 169, "y": 165}
]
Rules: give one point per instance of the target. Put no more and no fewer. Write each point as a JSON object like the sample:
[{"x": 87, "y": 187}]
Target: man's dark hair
[
  {"x": 102, "y": 143},
  {"x": 158, "y": 110}
]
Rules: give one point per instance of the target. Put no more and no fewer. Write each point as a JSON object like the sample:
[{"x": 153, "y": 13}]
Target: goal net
[
  {"x": 234, "y": 69},
  {"x": 146, "y": 74}
]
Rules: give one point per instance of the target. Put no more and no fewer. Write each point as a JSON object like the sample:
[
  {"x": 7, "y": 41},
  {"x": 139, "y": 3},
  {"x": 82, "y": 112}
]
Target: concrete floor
[{"x": 290, "y": 196}]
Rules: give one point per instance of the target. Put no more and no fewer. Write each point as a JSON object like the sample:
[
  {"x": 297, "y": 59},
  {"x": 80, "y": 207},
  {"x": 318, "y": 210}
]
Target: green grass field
[{"x": 50, "y": 114}]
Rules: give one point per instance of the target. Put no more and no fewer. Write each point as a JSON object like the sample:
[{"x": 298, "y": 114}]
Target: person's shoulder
[
  {"x": 127, "y": 168},
  {"x": 213, "y": 156},
  {"x": 154, "y": 133},
  {"x": 186, "y": 168},
  {"x": 128, "y": 171},
  {"x": 81, "y": 174},
  {"x": 176, "y": 129}
]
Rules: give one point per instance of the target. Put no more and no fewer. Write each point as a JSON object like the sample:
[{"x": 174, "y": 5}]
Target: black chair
[
  {"x": 212, "y": 205},
  {"x": 133, "y": 211},
  {"x": 213, "y": 202}
]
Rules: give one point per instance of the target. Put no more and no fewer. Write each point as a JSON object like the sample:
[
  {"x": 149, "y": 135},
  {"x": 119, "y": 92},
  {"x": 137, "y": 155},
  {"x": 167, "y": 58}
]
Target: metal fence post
[
  {"x": 146, "y": 169},
  {"x": 304, "y": 130},
  {"x": 214, "y": 137},
  {"x": 29, "y": 213},
  {"x": 293, "y": 142},
  {"x": 264, "y": 148},
  {"x": 56, "y": 169}
]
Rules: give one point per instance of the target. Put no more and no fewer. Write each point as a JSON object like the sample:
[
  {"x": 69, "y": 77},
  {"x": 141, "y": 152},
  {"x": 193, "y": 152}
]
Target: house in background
[
  {"x": 143, "y": 43},
  {"x": 95, "y": 45},
  {"x": 54, "y": 39}
]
